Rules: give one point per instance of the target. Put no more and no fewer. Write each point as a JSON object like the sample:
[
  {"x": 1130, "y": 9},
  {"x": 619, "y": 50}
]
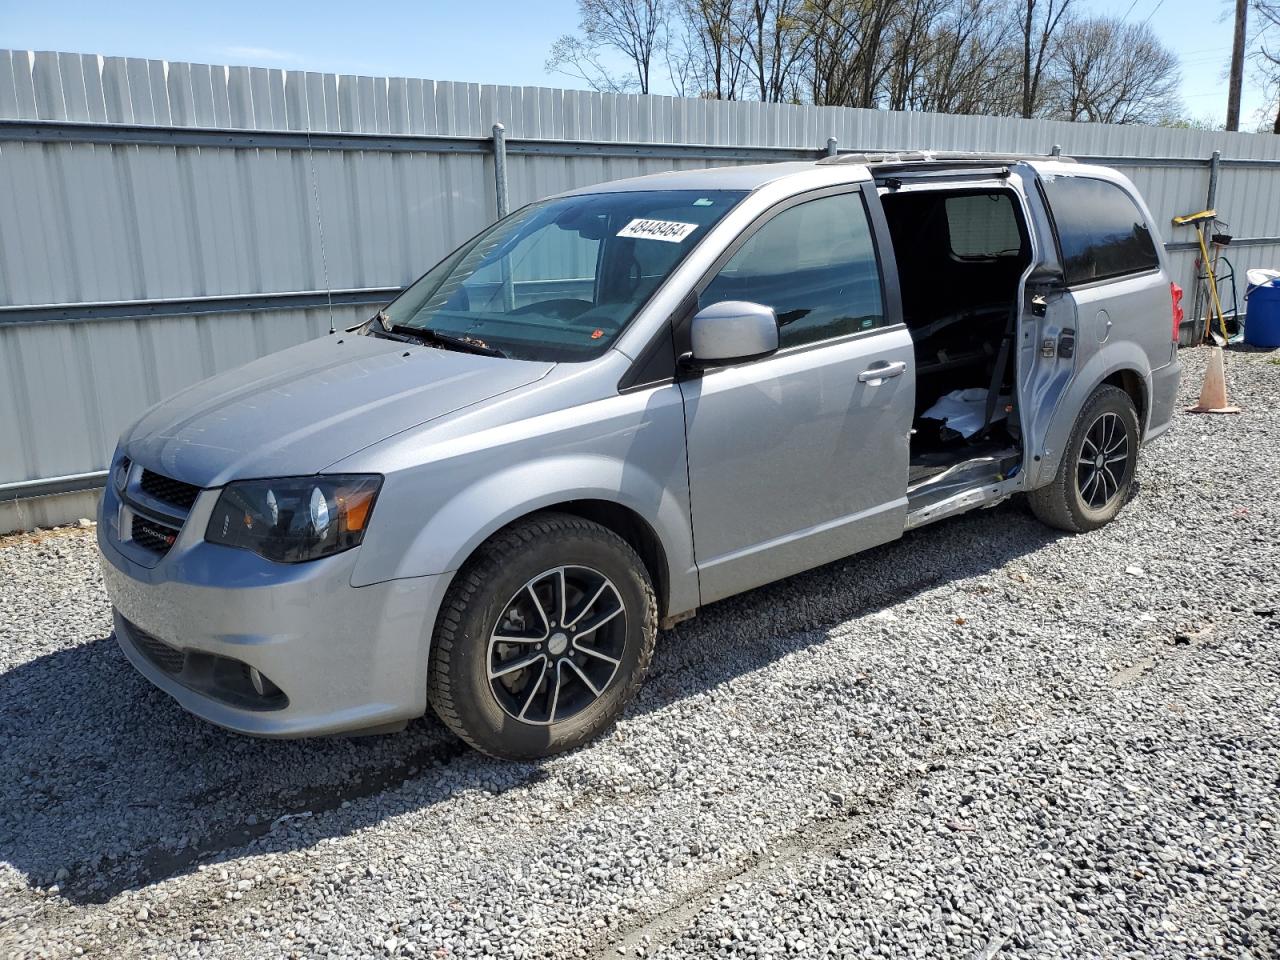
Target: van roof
[
  {"x": 753, "y": 176},
  {"x": 747, "y": 177},
  {"x": 934, "y": 158}
]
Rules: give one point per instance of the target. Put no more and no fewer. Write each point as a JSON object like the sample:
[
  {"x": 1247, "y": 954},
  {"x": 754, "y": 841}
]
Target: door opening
[{"x": 961, "y": 254}]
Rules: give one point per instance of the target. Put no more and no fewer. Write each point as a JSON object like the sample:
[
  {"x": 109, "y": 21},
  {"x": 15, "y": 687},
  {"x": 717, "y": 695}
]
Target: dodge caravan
[{"x": 622, "y": 403}]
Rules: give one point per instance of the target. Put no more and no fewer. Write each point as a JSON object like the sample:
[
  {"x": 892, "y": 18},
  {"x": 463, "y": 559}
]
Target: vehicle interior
[
  {"x": 960, "y": 253},
  {"x": 559, "y": 279}
]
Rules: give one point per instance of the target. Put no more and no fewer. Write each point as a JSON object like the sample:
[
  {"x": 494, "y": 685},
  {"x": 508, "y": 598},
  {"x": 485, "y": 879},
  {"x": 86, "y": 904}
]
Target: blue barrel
[{"x": 1262, "y": 320}]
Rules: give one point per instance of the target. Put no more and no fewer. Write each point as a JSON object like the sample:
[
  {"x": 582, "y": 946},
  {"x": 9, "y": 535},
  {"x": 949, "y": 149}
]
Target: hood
[{"x": 299, "y": 410}]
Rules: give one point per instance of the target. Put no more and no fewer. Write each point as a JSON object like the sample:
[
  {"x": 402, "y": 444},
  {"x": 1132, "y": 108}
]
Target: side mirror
[{"x": 732, "y": 331}]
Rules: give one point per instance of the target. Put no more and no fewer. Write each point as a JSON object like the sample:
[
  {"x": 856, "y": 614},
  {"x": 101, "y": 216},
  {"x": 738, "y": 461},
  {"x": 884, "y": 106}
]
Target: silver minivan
[{"x": 617, "y": 405}]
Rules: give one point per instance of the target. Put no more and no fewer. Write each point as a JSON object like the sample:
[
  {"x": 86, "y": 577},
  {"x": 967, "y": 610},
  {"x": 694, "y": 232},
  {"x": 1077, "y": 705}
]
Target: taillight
[{"x": 1175, "y": 292}]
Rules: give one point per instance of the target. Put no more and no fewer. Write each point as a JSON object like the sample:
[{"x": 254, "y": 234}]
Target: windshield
[{"x": 559, "y": 280}]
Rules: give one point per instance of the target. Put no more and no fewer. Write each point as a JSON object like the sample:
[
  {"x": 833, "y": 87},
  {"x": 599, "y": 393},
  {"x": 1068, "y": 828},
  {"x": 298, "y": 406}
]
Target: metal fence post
[
  {"x": 500, "y": 167},
  {"x": 832, "y": 143}
]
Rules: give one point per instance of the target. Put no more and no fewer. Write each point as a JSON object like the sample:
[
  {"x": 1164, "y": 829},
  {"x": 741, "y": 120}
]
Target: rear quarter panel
[{"x": 1121, "y": 324}]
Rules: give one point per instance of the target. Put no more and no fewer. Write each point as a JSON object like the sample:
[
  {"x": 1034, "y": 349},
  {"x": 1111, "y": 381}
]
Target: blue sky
[{"x": 489, "y": 41}]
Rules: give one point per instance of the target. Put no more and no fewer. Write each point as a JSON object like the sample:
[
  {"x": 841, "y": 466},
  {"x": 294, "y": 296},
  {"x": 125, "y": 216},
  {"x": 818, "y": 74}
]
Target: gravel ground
[{"x": 986, "y": 740}]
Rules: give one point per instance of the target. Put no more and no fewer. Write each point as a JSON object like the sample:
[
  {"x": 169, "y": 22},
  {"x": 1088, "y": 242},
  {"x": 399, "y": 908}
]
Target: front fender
[
  {"x": 446, "y": 492},
  {"x": 454, "y": 531},
  {"x": 1114, "y": 358}
]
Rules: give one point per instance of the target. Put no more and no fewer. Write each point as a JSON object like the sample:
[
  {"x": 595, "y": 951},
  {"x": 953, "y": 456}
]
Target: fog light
[{"x": 256, "y": 679}]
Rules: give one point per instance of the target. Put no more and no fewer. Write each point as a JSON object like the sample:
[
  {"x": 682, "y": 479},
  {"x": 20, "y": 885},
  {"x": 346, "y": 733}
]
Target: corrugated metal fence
[{"x": 160, "y": 222}]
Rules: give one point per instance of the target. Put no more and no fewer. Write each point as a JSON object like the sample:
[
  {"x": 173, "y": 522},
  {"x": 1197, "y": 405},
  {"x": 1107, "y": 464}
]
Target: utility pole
[{"x": 1237, "y": 67}]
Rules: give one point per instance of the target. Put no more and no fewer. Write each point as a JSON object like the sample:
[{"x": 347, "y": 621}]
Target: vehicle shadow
[{"x": 107, "y": 785}]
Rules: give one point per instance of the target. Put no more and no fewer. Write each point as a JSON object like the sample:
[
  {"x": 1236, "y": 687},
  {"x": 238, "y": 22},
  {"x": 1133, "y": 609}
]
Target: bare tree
[
  {"x": 913, "y": 44},
  {"x": 847, "y": 57},
  {"x": 1040, "y": 20},
  {"x": 976, "y": 71},
  {"x": 1106, "y": 71},
  {"x": 631, "y": 28},
  {"x": 1267, "y": 56},
  {"x": 775, "y": 43},
  {"x": 955, "y": 56},
  {"x": 714, "y": 55},
  {"x": 994, "y": 57}
]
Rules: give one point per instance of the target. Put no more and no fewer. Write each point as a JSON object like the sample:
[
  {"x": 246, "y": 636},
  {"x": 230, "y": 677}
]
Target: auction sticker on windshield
[{"x": 671, "y": 231}]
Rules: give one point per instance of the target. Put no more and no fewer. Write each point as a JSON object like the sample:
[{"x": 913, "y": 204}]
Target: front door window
[{"x": 815, "y": 264}]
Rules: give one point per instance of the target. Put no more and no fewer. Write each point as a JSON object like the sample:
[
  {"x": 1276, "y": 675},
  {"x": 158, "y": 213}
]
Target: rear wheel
[
  {"x": 1098, "y": 465},
  {"x": 543, "y": 639}
]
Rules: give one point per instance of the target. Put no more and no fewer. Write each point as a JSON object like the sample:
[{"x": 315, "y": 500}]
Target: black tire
[
  {"x": 475, "y": 622},
  {"x": 1062, "y": 503}
]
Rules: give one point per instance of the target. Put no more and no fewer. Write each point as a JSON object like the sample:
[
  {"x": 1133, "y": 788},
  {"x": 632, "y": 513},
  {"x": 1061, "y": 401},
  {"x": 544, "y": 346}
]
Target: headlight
[
  {"x": 294, "y": 518},
  {"x": 120, "y": 474}
]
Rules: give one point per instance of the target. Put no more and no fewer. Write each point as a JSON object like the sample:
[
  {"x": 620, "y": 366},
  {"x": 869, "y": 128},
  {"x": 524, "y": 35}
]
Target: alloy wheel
[
  {"x": 557, "y": 645},
  {"x": 1103, "y": 461}
]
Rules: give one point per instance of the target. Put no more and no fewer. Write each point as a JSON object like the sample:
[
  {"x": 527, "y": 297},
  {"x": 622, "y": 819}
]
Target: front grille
[
  {"x": 167, "y": 658},
  {"x": 169, "y": 491},
  {"x": 152, "y": 535}
]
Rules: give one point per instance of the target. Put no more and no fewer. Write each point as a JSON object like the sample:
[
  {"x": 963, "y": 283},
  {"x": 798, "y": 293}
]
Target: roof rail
[{"x": 949, "y": 157}]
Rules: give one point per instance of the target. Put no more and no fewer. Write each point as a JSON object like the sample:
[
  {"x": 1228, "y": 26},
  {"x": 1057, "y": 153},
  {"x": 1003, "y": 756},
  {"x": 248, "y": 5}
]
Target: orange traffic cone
[{"x": 1213, "y": 395}]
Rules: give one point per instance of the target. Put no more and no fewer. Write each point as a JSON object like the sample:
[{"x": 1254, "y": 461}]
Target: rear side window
[
  {"x": 982, "y": 226},
  {"x": 815, "y": 264},
  {"x": 1101, "y": 232}
]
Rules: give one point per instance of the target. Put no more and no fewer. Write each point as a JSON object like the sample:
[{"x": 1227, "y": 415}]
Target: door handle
[{"x": 874, "y": 376}]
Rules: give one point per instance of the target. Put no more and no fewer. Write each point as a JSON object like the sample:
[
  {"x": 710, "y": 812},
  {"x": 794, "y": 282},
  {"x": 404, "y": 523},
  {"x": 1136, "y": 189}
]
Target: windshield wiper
[
  {"x": 383, "y": 327},
  {"x": 448, "y": 341},
  {"x": 380, "y": 325}
]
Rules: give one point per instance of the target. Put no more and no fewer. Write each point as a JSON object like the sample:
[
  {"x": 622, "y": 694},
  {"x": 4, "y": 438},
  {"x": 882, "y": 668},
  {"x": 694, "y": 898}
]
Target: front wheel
[
  {"x": 1098, "y": 465},
  {"x": 544, "y": 637}
]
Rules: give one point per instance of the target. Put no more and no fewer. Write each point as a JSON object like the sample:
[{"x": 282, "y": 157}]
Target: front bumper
[{"x": 346, "y": 658}]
